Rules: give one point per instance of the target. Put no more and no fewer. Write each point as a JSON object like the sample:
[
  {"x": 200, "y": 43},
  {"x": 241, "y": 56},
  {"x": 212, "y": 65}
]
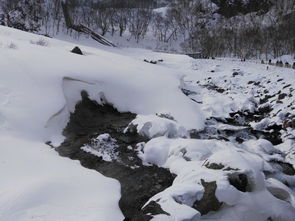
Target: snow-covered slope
[
  {"x": 229, "y": 93},
  {"x": 37, "y": 184},
  {"x": 40, "y": 83},
  {"x": 225, "y": 128}
]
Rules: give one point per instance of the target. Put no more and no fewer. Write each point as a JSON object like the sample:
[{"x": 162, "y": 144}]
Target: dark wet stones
[
  {"x": 138, "y": 183},
  {"x": 256, "y": 83},
  {"x": 271, "y": 133},
  {"x": 240, "y": 182},
  {"x": 138, "y": 186},
  {"x": 240, "y": 140},
  {"x": 243, "y": 118},
  {"x": 282, "y": 96},
  {"x": 235, "y": 74},
  {"x": 77, "y": 50},
  {"x": 228, "y": 134},
  {"x": 272, "y": 136},
  {"x": 153, "y": 61},
  {"x": 188, "y": 92},
  {"x": 284, "y": 167},
  {"x": 209, "y": 202},
  {"x": 289, "y": 123},
  {"x": 266, "y": 98},
  {"x": 165, "y": 116},
  {"x": 214, "y": 87},
  {"x": 218, "y": 166},
  {"x": 152, "y": 209},
  {"x": 288, "y": 85},
  {"x": 214, "y": 166}
]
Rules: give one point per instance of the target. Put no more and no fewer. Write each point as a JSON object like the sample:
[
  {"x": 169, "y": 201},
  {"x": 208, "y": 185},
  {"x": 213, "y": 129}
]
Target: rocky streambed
[
  {"x": 138, "y": 182},
  {"x": 96, "y": 135}
]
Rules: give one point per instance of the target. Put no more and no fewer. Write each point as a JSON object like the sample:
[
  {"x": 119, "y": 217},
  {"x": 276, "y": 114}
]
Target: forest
[{"x": 245, "y": 29}]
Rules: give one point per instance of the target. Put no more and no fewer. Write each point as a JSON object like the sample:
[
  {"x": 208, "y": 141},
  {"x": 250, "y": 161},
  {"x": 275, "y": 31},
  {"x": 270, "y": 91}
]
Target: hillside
[
  {"x": 132, "y": 134},
  {"x": 217, "y": 28}
]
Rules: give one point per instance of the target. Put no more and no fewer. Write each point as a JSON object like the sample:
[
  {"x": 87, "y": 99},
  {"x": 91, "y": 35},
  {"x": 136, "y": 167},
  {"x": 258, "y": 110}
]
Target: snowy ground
[{"x": 175, "y": 99}]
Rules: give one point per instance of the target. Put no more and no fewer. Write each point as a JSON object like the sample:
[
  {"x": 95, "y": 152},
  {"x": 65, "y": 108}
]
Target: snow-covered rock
[{"x": 152, "y": 126}]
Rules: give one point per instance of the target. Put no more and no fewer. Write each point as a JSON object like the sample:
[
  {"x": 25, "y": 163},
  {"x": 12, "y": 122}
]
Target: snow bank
[
  {"x": 34, "y": 75},
  {"x": 37, "y": 184},
  {"x": 39, "y": 87}
]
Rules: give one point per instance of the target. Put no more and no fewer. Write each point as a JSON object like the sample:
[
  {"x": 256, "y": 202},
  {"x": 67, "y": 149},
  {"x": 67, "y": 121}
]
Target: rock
[
  {"x": 147, "y": 213},
  {"x": 240, "y": 139},
  {"x": 240, "y": 182},
  {"x": 257, "y": 83},
  {"x": 152, "y": 62},
  {"x": 282, "y": 96},
  {"x": 288, "y": 85},
  {"x": 284, "y": 167},
  {"x": 209, "y": 202},
  {"x": 289, "y": 123},
  {"x": 165, "y": 116},
  {"x": 214, "y": 166},
  {"x": 235, "y": 74},
  {"x": 77, "y": 50},
  {"x": 188, "y": 92}
]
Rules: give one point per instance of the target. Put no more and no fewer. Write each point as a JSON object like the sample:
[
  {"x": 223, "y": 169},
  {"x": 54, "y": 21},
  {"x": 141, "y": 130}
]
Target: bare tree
[{"x": 139, "y": 20}]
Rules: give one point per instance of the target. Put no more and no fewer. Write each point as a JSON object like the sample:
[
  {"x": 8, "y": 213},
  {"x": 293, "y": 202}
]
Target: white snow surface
[
  {"x": 37, "y": 184},
  {"x": 40, "y": 86},
  {"x": 153, "y": 126}
]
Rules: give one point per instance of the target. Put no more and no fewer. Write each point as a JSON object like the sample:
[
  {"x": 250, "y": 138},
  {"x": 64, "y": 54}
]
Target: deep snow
[{"x": 40, "y": 86}]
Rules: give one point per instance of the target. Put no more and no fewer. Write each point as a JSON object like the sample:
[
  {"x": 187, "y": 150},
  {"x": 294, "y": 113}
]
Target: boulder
[{"x": 77, "y": 50}]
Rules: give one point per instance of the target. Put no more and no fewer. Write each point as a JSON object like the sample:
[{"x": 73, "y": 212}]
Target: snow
[
  {"x": 153, "y": 126},
  {"x": 37, "y": 184},
  {"x": 286, "y": 58},
  {"x": 96, "y": 73},
  {"x": 162, "y": 11},
  {"x": 188, "y": 159},
  {"x": 103, "y": 146},
  {"x": 41, "y": 84}
]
